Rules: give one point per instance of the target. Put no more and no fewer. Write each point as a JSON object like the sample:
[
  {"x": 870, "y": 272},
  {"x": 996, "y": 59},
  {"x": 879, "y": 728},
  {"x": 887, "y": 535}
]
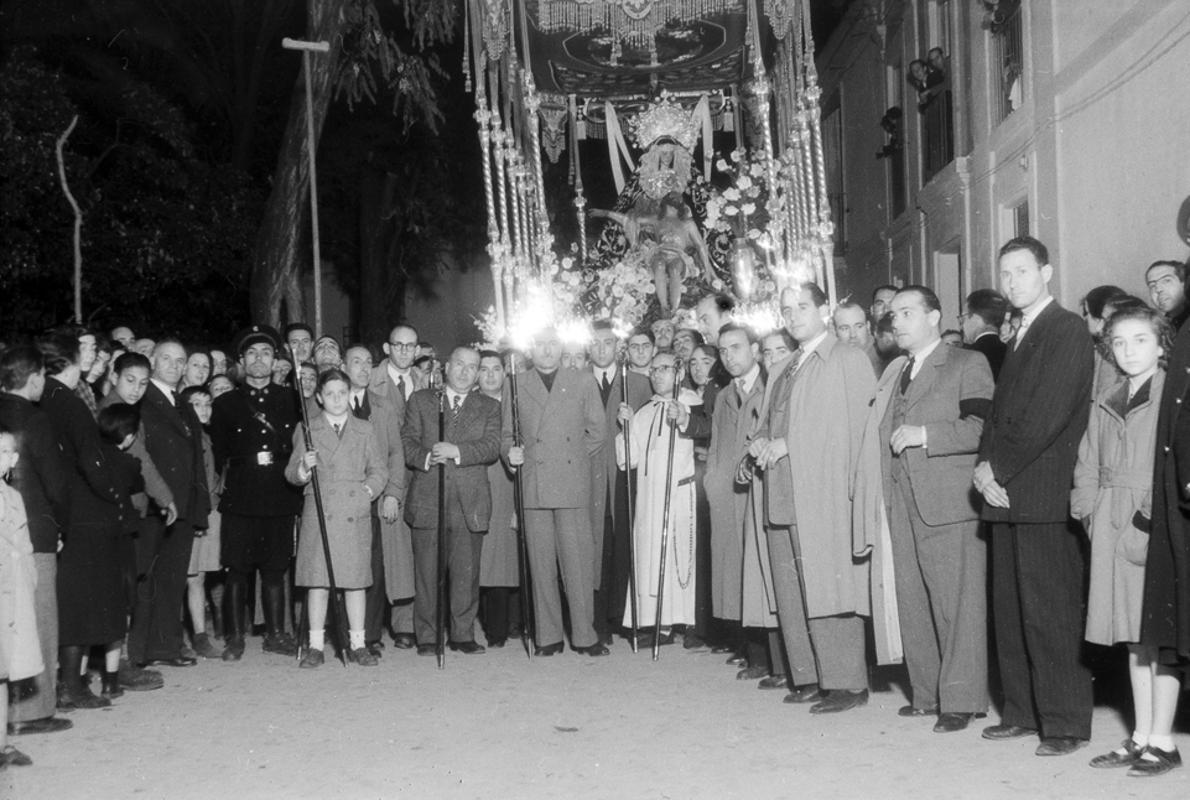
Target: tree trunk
[
  {"x": 275, "y": 260},
  {"x": 376, "y": 314}
]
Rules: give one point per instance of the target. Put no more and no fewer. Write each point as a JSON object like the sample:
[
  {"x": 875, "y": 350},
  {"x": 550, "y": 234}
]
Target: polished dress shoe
[
  {"x": 1124, "y": 756},
  {"x": 1003, "y": 731},
  {"x": 548, "y": 649},
  {"x": 692, "y": 641},
  {"x": 773, "y": 682},
  {"x": 837, "y": 700},
  {"x": 951, "y": 721},
  {"x": 1155, "y": 761},
  {"x": 1059, "y": 745},
  {"x": 280, "y": 643},
  {"x": 233, "y": 650},
  {"x": 467, "y": 648},
  {"x": 737, "y": 660},
  {"x": 136, "y": 679},
  {"x": 914, "y": 711},
  {"x": 312, "y": 659},
  {"x": 404, "y": 641},
  {"x": 176, "y": 661},
  {"x": 751, "y": 673},
  {"x": 497, "y": 643},
  {"x": 363, "y": 657},
  {"x": 427, "y": 650},
  {"x": 594, "y": 650},
  {"x": 375, "y": 648},
  {"x": 205, "y": 648},
  {"x": 43, "y": 725},
  {"x": 719, "y": 649},
  {"x": 803, "y": 694}
]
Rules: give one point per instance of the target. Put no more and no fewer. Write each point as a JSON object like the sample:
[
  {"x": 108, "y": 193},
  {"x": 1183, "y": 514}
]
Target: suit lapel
[
  {"x": 927, "y": 376},
  {"x": 168, "y": 410}
]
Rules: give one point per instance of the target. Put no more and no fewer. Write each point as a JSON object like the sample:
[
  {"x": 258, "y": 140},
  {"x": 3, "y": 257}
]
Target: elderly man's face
[{"x": 169, "y": 360}]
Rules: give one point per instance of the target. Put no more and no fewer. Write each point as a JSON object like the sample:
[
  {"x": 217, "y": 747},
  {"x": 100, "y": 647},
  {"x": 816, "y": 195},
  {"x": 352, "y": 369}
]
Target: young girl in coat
[
  {"x": 1112, "y": 495},
  {"x": 351, "y": 475},
  {"x": 204, "y": 553},
  {"x": 20, "y": 649}
]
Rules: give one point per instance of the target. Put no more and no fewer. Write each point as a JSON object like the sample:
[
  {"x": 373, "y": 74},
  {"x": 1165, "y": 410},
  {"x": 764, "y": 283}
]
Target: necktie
[
  {"x": 401, "y": 385},
  {"x": 907, "y": 375},
  {"x": 1020, "y": 334},
  {"x": 607, "y": 382},
  {"x": 357, "y": 406},
  {"x": 739, "y": 393},
  {"x": 455, "y": 404},
  {"x": 338, "y": 426}
]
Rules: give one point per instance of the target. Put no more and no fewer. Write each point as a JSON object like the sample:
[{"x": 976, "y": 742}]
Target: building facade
[{"x": 1067, "y": 120}]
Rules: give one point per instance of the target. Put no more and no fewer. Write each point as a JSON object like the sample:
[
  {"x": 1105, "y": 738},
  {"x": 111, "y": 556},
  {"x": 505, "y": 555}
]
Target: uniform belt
[
  {"x": 1124, "y": 479},
  {"x": 263, "y": 458}
]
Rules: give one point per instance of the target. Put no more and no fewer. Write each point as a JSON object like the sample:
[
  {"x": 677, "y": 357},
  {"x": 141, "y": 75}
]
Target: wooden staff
[
  {"x": 306, "y": 48},
  {"x": 440, "y": 617},
  {"x": 669, "y": 474},
  {"x": 338, "y": 612},
  {"x": 528, "y": 628},
  {"x": 628, "y": 496}
]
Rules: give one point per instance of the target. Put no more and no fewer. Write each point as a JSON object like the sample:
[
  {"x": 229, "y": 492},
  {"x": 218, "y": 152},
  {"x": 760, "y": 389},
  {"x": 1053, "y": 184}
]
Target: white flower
[
  {"x": 756, "y": 170},
  {"x": 736, "y": 155},
  {"x": 749, "y": 208},
  {"x": 721, "y": 165},
  {"x": 717, "y": 284},
  {"x": 753, "y": 233},
  {"x": 731, "y": 211},
  {"x": 731, "y": 194},
  {"x": 743, "y": 182}
]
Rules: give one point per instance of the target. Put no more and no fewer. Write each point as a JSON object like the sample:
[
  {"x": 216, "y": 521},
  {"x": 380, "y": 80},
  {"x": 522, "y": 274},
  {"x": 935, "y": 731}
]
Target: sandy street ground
[{"x": 497, "y": 726}]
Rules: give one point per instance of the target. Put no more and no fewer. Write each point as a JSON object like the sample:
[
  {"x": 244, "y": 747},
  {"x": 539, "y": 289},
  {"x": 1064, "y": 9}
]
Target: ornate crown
[{"x": 664, "y": 118}]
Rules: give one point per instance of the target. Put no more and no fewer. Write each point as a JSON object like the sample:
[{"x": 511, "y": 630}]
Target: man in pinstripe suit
[{"x": 1024, "y": 472}]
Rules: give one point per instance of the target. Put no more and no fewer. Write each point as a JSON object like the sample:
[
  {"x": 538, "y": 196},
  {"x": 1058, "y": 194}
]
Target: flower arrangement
[
  {"x": 741, "y": 209},
  {"x": 623, "y": 292}
]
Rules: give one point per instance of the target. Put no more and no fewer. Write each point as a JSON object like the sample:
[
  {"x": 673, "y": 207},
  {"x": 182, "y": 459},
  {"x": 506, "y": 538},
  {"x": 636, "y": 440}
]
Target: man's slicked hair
[
  {"x": 928, "y": 296},
  {"x": 989, "y": 305}
]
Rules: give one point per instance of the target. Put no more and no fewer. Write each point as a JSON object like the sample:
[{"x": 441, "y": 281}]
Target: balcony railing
[{"x": 937, "y": 140}]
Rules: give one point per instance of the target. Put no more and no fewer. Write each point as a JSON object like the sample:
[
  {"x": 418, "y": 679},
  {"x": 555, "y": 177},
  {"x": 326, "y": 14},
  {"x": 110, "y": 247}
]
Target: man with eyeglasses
[{"x": 393, "y": 381}]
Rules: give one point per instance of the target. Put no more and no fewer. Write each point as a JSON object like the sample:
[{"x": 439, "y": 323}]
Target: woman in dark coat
[{"x": 91, "y": 602}]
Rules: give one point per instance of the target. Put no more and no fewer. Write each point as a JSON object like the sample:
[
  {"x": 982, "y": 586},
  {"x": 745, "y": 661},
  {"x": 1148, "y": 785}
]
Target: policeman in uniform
[{"x": 252, "y": 436}]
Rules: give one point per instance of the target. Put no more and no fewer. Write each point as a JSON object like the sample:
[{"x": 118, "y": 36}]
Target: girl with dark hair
[{"x": 1113, "y": 497}]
